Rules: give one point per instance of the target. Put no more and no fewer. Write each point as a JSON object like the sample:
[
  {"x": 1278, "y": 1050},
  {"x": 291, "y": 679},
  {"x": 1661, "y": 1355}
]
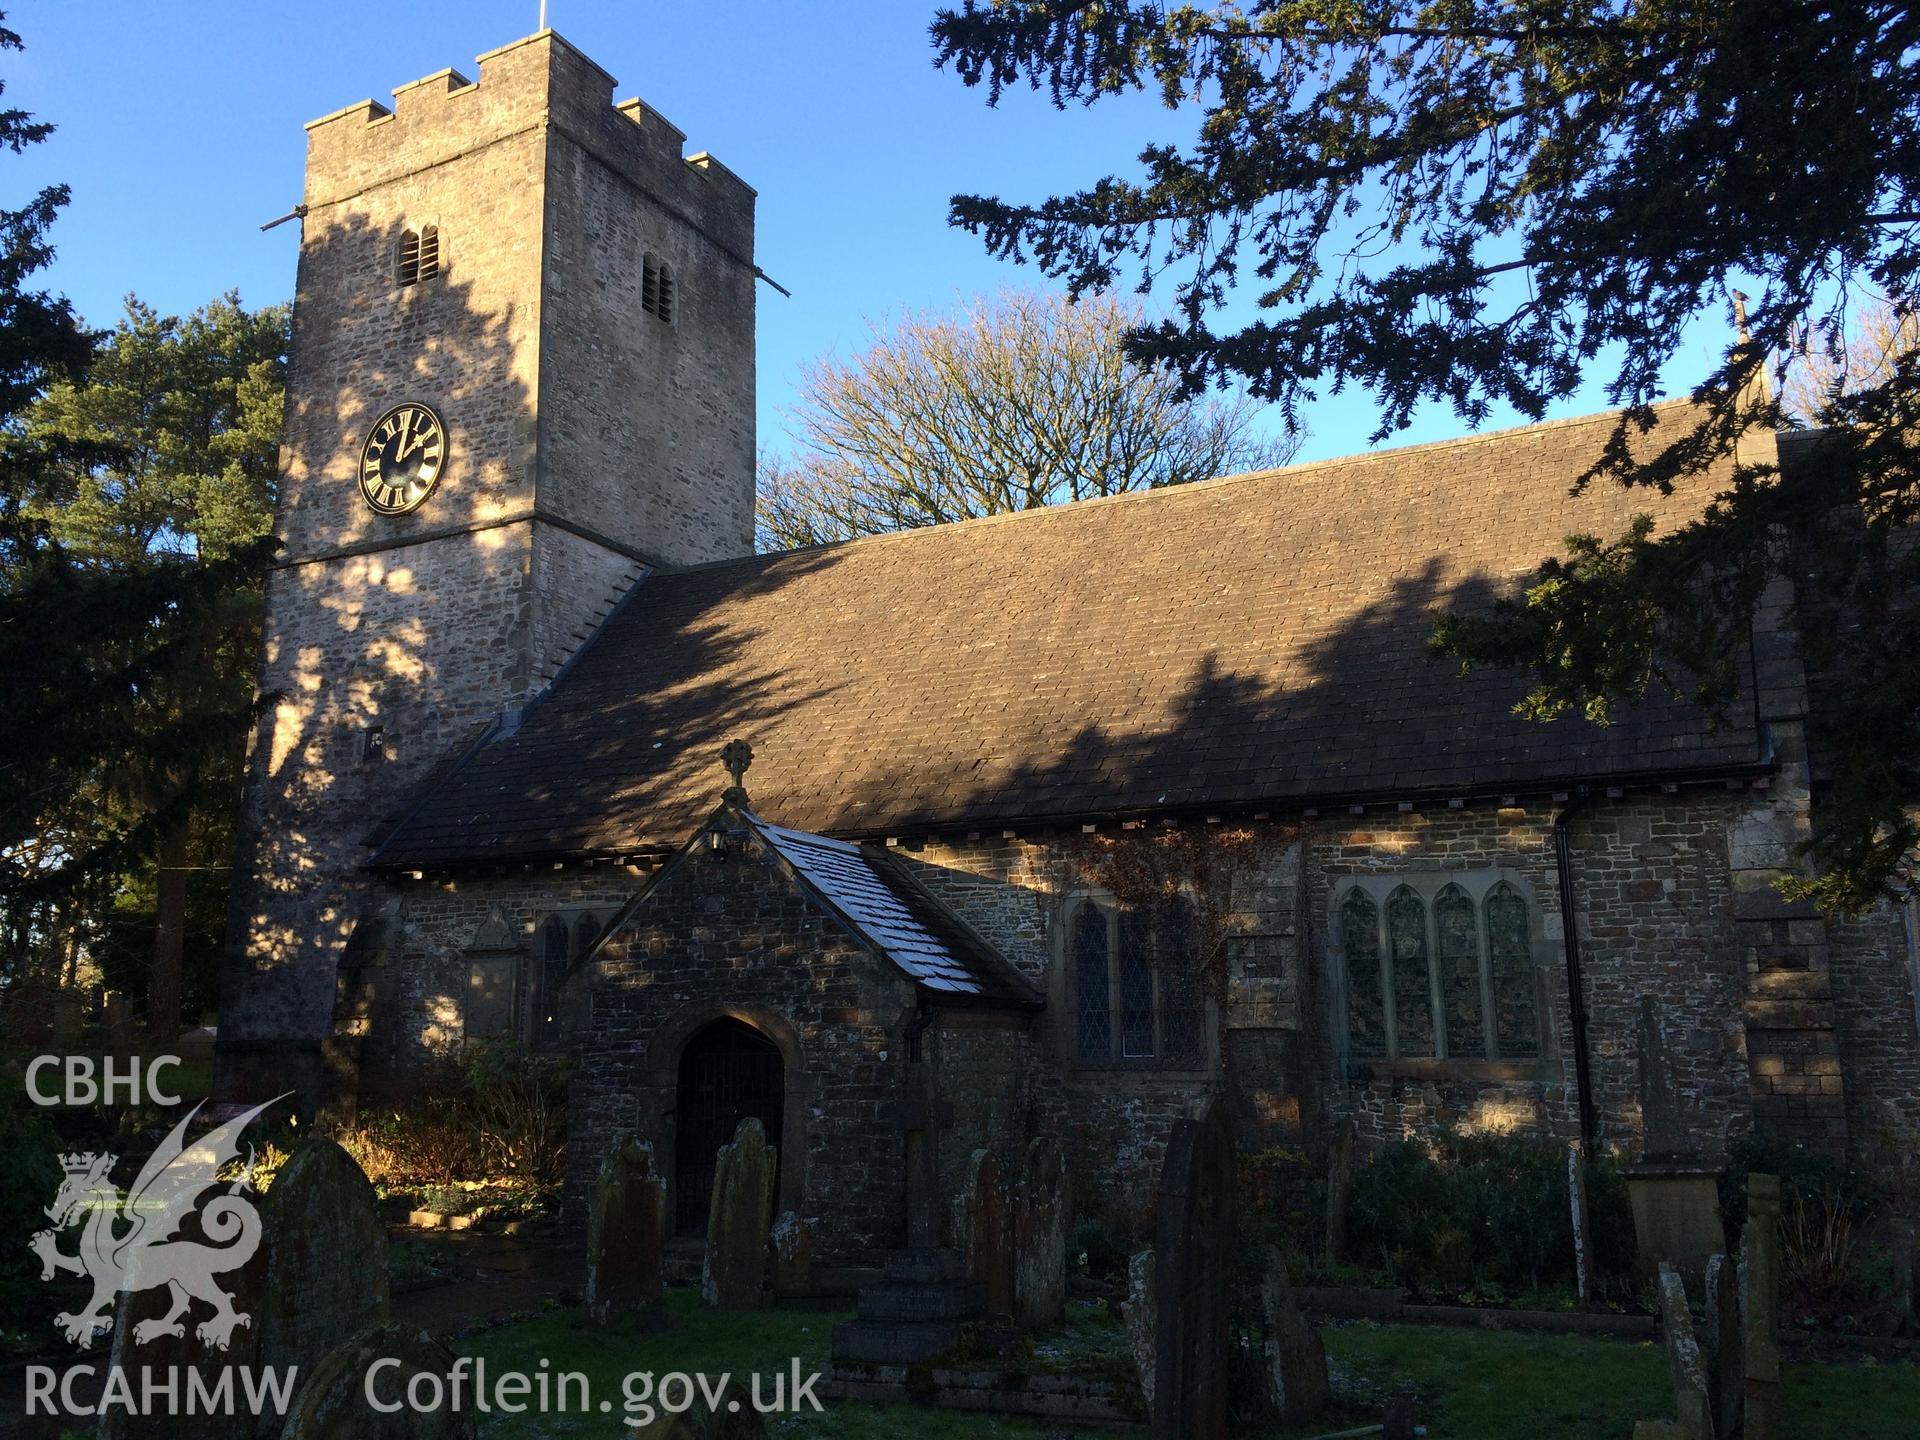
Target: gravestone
[
  {"x": 1582, "y": 1222},
  {"x": 700, "y": 1423},
  {"x": 1191, "y": 1281},
  {"x": 1760, "y": 1287},
  {"x": 324, "y": 1278},
  {"x": 1138, "y": 1312},
  {"x": 738, "y": 1221},
  {"x": 626, "y": 1236},
  {"x": 1725, "y": 1344},
  {"x": 984, "y": 1229},
  {"x": 792, "y": 1255},
  {"x": 1903, "y": 1246},
  {"x": 925, "y": 1303},
  {"x": 1675, "y": 1196},
  {"x": 160, "y": 1355},
  {"x": 1296, "y": 1361},
  {"x": 1692, "y": 1398},
  {"x": 333, "y": 1402},
  {"x": 1040, "y": 1236},
  {"x": 116, "y": 1022},
  {"x": 1339, "y": 1189}
]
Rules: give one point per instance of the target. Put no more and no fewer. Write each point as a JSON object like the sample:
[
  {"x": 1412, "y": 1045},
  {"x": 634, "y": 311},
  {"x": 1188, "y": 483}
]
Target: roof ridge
[{"x": 1302, "y": 469}]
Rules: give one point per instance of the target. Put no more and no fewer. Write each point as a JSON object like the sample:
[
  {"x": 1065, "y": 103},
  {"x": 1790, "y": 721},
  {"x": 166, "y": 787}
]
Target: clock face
[{"x": 401, "y": 462}]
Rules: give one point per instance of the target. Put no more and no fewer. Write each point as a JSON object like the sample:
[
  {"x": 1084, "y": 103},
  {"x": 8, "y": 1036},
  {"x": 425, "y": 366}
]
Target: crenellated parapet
[{"x": 539, "y": 82}]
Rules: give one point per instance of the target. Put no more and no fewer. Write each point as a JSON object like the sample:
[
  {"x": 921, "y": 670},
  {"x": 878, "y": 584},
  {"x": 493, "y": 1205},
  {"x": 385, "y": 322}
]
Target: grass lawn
[{"x": 1473, "y": 1384}]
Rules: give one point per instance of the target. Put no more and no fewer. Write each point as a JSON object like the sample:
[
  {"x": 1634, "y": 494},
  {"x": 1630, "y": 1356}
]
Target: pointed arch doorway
[{"x": 728, "y": 1071}]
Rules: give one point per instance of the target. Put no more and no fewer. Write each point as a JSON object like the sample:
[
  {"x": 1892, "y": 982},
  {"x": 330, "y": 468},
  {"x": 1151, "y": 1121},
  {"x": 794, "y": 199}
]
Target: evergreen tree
[{"x": 1481, "y": 201}]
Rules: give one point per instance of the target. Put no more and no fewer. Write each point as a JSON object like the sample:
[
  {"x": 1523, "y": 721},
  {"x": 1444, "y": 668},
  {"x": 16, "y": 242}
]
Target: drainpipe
[{"x": 1576, "y": 990}]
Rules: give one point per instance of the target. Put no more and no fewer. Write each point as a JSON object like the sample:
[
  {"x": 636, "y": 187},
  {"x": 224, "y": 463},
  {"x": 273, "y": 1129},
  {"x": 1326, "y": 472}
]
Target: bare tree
[
  {"x": 1004, "y": 404},
  {"x": 1832, "y": 359}
]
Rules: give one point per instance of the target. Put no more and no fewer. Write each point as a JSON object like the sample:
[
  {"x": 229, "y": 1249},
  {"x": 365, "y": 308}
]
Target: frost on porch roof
[{"x": 898, "y": 919}]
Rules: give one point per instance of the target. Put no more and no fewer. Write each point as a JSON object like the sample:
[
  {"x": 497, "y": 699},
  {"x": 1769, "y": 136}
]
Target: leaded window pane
[
  {"x": 1510, "y": 948},
  {"x": 1460, "y": 973},
  {"x": 1093, "y": 1017},
  {"x": 1179, "y": 985},
  {"x": 1412, "y": 995},
  {"x": 553, "y": 974},
  {"x": 1136, "y": 987},
  {"x": 1366, "y": 1014}
]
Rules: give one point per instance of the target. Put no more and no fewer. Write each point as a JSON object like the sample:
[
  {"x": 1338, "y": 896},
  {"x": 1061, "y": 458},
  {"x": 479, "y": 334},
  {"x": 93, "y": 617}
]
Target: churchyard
[{"x": 1022, "y": 1308}]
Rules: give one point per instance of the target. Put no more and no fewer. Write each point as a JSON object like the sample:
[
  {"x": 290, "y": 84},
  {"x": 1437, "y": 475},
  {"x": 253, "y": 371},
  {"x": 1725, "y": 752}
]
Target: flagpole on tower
[{"x": 543, "y": 14}]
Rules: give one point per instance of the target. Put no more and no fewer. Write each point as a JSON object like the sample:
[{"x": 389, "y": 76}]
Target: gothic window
[
  {"x": 1437, "y": 966},
  {"x": 560, "y": 943},
  {"x": 1135, "y": 995},
  {"x": 656, "y": 288},
  {"x": 1516, "y": 1019},
  {"x": 418, "y": 257},
  {"x": 1366, "y": 1015}
]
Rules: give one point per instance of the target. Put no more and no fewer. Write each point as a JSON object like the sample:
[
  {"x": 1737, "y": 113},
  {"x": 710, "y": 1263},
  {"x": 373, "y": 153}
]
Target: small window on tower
[
  {"x": 419, "y": 255},
  {"x": 409, "y": 260},
  {"x": 656, "y": 288},
  {"x": 429, "y": 251}
]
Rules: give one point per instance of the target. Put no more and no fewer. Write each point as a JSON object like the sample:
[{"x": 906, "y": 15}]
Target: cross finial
[{"x": 736, "y": 756}]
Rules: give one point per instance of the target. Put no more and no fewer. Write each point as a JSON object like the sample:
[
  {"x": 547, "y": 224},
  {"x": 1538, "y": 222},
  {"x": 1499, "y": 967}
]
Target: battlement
[{"x": 542, "y": 79}]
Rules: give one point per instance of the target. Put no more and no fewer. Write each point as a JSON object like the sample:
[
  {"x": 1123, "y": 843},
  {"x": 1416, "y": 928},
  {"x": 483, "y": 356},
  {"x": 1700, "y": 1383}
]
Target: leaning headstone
[
  {"x": 1339, "y": 1189},
  {"x": 1582, "y": 1222},
  {"x": 384, "y": 1364},
  {"x": 985, "y": 1232},
  {"x": 1725, "y": 1344},
  {"x": 1192, "y": 1331},
  {"x": 1692, "y": 1401},
  {"x": 738, "y": 1220},
  {"x": 324, "y": 1279},
  {"x": 1138, "y": 1312},
  {"x": 626, "y": 1236},
  {"x": 792, "y": 1255},
  {"x": 1040, "y": 1237},
  {"x": 1674, "y": 1192},
  {"x": 1760, "y": 1267},
  {"x": 1296, "y": 1361}
]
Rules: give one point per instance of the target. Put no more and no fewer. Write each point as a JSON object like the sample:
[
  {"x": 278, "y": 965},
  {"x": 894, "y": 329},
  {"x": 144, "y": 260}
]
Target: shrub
[
  {"x": 1100, "y": 1250},
  {"x": 519, "y": 1101},
  {"x": 27, "y": 1184},
  {"x": 1456, "y": 1211}
]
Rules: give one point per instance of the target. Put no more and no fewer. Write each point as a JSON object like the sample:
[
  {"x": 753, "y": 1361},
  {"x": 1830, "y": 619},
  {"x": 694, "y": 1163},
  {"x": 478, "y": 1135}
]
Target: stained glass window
[
  {"x": 1459, "y": 957},
  {"x": 1510, "y": 949},
  {"x": 1412, "y": 992},
  {"x": 1093, "y": 1016},
  {"x": 1366, "y": 1013}
]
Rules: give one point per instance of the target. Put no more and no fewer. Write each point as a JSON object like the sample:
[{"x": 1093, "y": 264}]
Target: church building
[{"x": 1041, "y": 824}]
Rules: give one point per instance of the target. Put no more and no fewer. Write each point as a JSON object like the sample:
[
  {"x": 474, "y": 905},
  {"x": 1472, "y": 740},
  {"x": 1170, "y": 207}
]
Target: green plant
[
  {"x": 1099, "y": 1249},
  {"x": 519, "y": 1101},
  {"x": 27, "y": 1184}
]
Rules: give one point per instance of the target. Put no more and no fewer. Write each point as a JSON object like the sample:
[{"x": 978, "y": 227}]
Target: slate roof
[
  {"x": 1253, "y": 640},
  {"x": 899, "y": 919}
]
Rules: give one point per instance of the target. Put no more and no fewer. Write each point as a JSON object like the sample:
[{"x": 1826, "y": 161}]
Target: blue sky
[{"x": 180, "y": 132}]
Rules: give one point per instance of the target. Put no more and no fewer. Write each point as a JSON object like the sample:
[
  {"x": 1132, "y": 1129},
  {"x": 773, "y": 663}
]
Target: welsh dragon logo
[{"x": 130, "y": 1243}]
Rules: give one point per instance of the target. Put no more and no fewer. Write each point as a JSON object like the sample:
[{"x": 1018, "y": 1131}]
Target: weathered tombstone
[
  {"x": 1339, "y": 1190},
  {"x": 985, "y": 1232},
  {"x": 1903, "y": 1247},
  {"x": 324, "y": 1279},
  {"x": 116, "y": 1020},
  {"x": 1296, "y": 1361},
  {"x": 1040, "y": 1236},
  {"x": 1676, "y": 1197},
  {"x": 168, "y": 1357},
  {"x": 334, "y": 1401},
  {"x": 1191, "y": 1282},
  {"x": 69, "y": 1015},
  {"x": 1582, "y": 1222},
  {"x": 626, "y": 1236},
  {"x": 1397, "y": 1423},
  {"x": 1692, "y": 1400},
  {"x": 1760, "y": 1267},
  {"x": 738, "y": 1220},
  {"x": 1725, "y": 1344},
  {"x": 792, "y": 1255},
  {"x": 1138, "y": 1312}
]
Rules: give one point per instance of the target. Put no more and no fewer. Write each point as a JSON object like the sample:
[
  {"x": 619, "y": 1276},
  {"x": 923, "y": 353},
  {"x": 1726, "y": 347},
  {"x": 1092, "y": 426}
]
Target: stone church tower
[{"x": 522, "y": 376}]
